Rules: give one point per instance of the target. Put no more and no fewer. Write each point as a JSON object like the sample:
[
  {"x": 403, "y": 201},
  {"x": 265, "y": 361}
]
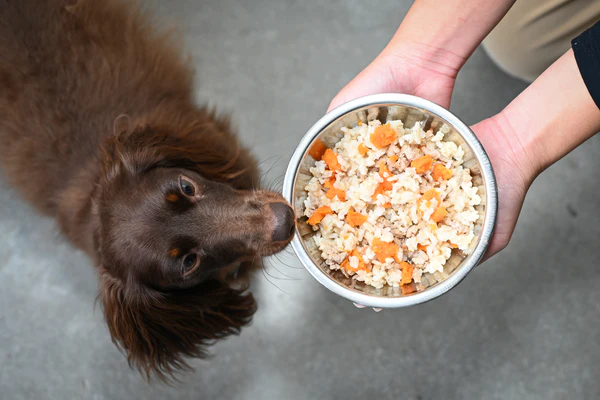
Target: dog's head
[{"x": 172, "y": 217}]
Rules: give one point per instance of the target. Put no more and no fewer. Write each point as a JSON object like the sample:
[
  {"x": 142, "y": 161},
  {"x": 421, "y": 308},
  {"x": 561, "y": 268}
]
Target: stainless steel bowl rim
[{"x": 391, "y": 99}]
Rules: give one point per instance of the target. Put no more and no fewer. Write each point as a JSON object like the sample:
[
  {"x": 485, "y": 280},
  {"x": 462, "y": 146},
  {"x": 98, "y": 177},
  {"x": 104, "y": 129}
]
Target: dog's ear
[
  {"x": 158, "y": 331},
  {"x": 205, "y": 145}
]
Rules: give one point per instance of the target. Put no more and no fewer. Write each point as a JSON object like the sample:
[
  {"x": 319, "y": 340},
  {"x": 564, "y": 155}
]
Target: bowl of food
[{"x": 395, "y": 200}]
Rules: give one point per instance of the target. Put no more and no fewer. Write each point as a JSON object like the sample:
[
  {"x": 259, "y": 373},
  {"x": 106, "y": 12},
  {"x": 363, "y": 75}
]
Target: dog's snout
[{"x": 284, "y": 221}]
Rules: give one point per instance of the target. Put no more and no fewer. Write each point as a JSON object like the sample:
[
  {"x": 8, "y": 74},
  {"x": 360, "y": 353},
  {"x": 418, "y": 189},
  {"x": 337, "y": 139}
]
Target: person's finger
[
  {"x": 361, "y": 306},
  {"x": 351, "y": 91},
  {"x": 375, "y": 78}
]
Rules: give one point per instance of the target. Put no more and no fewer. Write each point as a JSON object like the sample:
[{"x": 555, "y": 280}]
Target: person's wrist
[
  {"x": 427, "y": 57},
  {"x": 511, "y": 138}
]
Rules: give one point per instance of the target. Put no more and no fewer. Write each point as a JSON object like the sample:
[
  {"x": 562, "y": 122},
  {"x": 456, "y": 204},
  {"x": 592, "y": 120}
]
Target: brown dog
[{"x": 98, "y": 128}]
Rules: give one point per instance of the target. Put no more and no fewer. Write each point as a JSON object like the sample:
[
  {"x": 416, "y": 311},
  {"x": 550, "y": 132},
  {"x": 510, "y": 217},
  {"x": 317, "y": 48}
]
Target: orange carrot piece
[
  {"x": 355, "y": 219},
  {"x": 331, "y": 193},
  {"x": 407, "y": 272},
  {"x": 346, "y": 264},
  {"x": 317, "y": 150},
  {"x": 359, "y": 123},
  {"x": 408, "y": 289},
  {"x": 439, "y": 214},
  {"x": 383, "y": 169},
  {"x": 385, "y": 185},
  {"x": 381, "y": 189},
  {"x": 393, "y": 158},
  {"x": 452, "y": 245},
  {"x": 331, "y": 160},
  {"x": 422, "y": 247},
  {"x": 329, "y": 183},
  {"x": 384, "y": 135},
  {"x": 422, "y": 164},
  {"x": 429, "y": 195},
  {"x": 441, "y": 172},
  {"x": 384, "y": 250},
  {"x": 387, "y": 205},
  {"x": 363, "y": 150},
  {"x": 319, "y": 214},
  {"x": 361, "y": 262}
]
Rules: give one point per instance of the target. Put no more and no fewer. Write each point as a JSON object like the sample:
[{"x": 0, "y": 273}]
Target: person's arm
[
  {"x": 444, "y": 34},
  {"x": 555, "y": 114},
  {"x": 432, "y": 44}
]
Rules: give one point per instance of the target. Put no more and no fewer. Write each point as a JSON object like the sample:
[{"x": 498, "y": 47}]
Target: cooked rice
[{"x": 397, "y": 217}]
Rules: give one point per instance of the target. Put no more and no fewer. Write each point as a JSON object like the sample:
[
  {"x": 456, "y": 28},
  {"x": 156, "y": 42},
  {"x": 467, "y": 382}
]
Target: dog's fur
[{"x": 97, "y": 128}]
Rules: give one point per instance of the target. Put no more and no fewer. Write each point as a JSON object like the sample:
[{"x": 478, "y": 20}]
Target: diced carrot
[
  {"x": 360, "y": 122},
  {"x": 384, "y": 135},
  {"x": 429, "y": 195},
  {"x": 452, "y": 245},
  {"x": 422, "y": 164},
  {"x": 331, "y": 160},
  {"x": 385, "y": 185},
  {"x": 355, "y": 219},
  {"x": 393, "y": 158},
  {"x": 346, "y": 263},
  {"x": 384, "y": 250},
  {"x": 363, "y": 150},
  {"x": 329, "y": 184},
  {"x": 407, "y": 272},
  {"x": 361, "y": 262},
  {"x": 379, "y": 190},
  {"x": 408, "y": 289},
  {"x": 319, "y": 214},
  {"x": 441, "y": 172},
  {"x": 387, "y": 205},
  {"x": 439, "y": 214},
  {"x": 331, "y": 193},
  {"x": 384, "y": 169},
  {"x": 422, "y": 247},
  {"x": 317, "y": 150}
]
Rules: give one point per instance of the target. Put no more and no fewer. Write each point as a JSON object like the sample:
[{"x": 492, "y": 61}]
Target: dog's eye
[
  {"x": 187, "y": 187},
  {"x": 190, "y": 262}
]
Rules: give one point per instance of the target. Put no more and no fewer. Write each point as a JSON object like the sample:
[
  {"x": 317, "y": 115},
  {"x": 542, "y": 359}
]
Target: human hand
[
  {"x": 515, "y": 171},
  {"x": 424, "y": 72}
]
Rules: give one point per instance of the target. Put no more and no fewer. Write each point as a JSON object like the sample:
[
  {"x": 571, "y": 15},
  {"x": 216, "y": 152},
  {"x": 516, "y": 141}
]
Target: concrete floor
[{"x": 526, "y": 325}]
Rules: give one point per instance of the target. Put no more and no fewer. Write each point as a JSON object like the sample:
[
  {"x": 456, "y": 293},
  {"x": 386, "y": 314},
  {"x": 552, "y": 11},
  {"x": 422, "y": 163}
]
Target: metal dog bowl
[{"x": 409, "y": 109}]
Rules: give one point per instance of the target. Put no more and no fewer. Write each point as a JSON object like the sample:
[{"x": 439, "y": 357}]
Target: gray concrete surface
[{"x": 523, "y": 326}]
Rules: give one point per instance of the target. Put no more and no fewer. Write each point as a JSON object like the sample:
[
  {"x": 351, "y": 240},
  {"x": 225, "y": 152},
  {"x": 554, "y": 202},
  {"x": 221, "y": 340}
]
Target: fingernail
[
  {"x": 377, "y": 309},
  {"x": 358, "y": 305}
]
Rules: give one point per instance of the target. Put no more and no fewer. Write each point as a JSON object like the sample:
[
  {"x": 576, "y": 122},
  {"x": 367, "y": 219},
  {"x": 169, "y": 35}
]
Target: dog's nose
[{"x": 284, "y": 221}]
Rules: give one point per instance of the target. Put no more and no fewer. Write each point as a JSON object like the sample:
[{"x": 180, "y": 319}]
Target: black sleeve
[{"x": 587, "y": 54}]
